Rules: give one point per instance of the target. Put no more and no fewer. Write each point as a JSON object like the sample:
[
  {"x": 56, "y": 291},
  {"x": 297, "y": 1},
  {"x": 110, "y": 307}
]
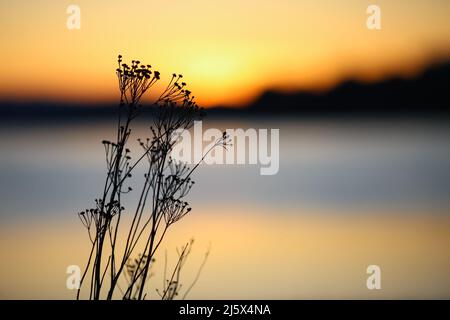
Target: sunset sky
[{"x": 228, "y": 50}]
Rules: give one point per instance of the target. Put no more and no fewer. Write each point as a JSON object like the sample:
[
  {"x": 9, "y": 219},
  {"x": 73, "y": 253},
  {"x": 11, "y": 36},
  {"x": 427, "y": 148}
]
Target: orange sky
[{"x": 228, "y": 50}]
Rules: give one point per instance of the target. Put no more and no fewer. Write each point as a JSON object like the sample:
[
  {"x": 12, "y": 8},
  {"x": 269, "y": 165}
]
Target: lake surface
[{"x": 348, "y": 194}]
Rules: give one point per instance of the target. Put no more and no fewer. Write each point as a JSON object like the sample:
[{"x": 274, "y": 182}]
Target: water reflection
[{"x": 347, "y": 195}]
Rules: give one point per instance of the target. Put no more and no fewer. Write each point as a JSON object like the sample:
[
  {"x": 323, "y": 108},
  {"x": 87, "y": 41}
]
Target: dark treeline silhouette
[{"x": 425, "y": 95}]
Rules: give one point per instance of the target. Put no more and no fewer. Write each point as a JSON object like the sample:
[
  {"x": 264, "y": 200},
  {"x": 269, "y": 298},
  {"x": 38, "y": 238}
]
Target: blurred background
[{"x": 364, "y": 142}]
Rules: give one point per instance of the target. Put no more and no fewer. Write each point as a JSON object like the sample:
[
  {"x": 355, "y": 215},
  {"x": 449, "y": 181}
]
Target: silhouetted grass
[{"x": 161, "y": 199}]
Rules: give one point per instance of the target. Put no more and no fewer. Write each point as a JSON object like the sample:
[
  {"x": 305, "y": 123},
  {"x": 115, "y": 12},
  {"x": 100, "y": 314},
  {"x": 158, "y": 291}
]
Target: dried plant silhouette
[{"x": 161, "y": 201}]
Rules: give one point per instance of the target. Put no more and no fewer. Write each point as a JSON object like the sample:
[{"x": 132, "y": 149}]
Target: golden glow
[
  {"x": 309, "y": 253},
  {"x": 228, "y": 50}
]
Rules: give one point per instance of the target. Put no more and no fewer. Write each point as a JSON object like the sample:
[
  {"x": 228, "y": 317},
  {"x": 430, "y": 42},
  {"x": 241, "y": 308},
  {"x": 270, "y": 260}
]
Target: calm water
[{"x": 347, "y": 195}]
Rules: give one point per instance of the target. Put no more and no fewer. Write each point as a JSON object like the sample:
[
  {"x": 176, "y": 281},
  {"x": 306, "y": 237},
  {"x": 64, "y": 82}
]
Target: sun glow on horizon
[{"x": 229, "y": 51}]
